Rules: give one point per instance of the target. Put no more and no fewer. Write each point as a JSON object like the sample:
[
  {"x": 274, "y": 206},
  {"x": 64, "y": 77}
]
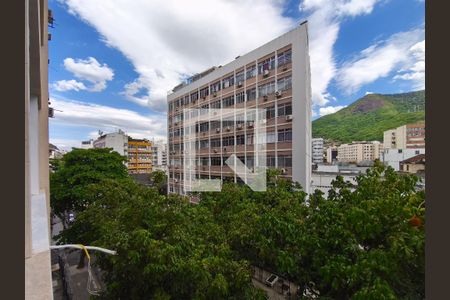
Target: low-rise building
[
  {"x": 54, "y": 152},
  {"x": 393, "y": 157},
  {"x": 413, "y": 164},
  {"x": 87, "y": 144},
  {"x": 357, "y": 152},
  {"x": 406, "y": 136},
  {"x": 317, "y": 150}
]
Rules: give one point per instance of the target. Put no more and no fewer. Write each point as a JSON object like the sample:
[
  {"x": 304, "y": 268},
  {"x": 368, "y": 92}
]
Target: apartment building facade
[
  {"x": 274, "y": 78},
  {"x": 393, "y": 157},
  {"x": 357, "y": 152},
  {"x": 159, "y": 159},
  {"x": 118, "y": 141},
  {"x": 332, "y": 153},
  {"x": 38, "y": 278},
  {"x": 140, "y": 156},
  {"x": 317, "y": 150},
  {"x": 406, "y": 136}
]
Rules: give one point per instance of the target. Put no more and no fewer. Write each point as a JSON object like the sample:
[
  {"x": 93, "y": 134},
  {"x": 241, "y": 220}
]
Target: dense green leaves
[{"x": 363, "y": 242}]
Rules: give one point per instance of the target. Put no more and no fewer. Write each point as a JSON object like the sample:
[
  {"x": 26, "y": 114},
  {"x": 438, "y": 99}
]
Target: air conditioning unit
[
  {"x": 203, "y": 133},
  {"x": 176, "y": 109},
  {"x": 225, "y": 149},
  {"x": 239, "y": 126},
  {"x": 283, "y": 171},
  {"x": 239, "y": 84},
  {"x": 289, "y": 118},
  {"x": 215, "y": 150},
  {"x": 228, "y": 128},
  {"x": 217, "y": 130},
  {"x": 215, "y": 94},
  {"x": 51, "y": 112},
  {"x": 278, "y": 94},
  {"x": 204, "y": 97},
  {"x": 193, "y": 101},
  {"x": 266, "y": 73},
  {"x": 263, "y": 121},
  {"x": 176, "y": 123},
  {"x": 265, "y": 97},
  {"x": 175, "y": 180},
  {"x": 284, "y": 67},
  {"x": 250, "y": 124}
]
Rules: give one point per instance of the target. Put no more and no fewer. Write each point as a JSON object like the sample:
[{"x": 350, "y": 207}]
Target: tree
[
  {"x": 76, "y": 170},
  {"x": 158, "y": 179}
]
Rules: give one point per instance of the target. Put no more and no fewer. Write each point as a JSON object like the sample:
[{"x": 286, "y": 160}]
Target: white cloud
[
  {"x": 166, "y": 39},
  {"x": 108, "y": 119},
  {"x": 414, "y": 70},
  {"x": 65, "y": 144},
  {"x": 402, "y": 51},
  {"x": 368, "y": 93},
  {"x": 323, "y": 111},
  {"x": 324, "y": 19},
  {"x": 67, "y": 85},
  {"x": 90, "y": 70}
]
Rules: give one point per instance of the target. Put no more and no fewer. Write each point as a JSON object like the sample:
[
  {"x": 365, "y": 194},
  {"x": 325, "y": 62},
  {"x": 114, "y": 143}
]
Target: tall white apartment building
[
  {"x": 357, "y": 152},
  {"x": 317, "y": 150},
  {"x": 275, "y": 78}
]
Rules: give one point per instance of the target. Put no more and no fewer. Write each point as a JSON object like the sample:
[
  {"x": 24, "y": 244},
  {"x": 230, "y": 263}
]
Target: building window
[
  {"x": 204, "y": 109},
  {"x": 240, "y": 97},
  {"x": 267, "y": 64},
  {"x": 216, "y": 104},
  {"x": 240, "y": 77},
  {"x": 240, "y": 139},
  {"x": 284, "y": 109},
  {"x": 250, "y": 138},
  {"x": 204, "y": 92},
  {"x": 203, "y": 127},
  {"x": 215, "y": 87},
  {"x": 194, "y": 96},
  {"x": 285, "y": 135},
  {"x": 284, "y": 83},
  {"x": 251, "y": 72},
  {"x": 228, "y": 81},
  {"x": 284, "y": 161},
  {"x": 266, "y": 89},
  {"x": 270, "y": 161},
  {"x": 284, "y": 57},
  {"x": 228, "y": 141},
  {"x": 270, "y": 112},
  {"x": 216, "y": 161},
  {"x": 215, "y": 143},
  {"x": 228, "y": 101},
  {"x": 251, "y": 94},
  {"x": 204, "y": 144},
  {"x": 215, "y": 125},
  {"x": 271, "y": 137}
]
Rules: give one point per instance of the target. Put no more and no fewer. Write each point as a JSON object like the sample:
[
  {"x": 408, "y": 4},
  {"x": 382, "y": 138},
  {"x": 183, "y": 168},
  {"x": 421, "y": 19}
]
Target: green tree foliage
[
  {"x": 159, "y": 181},
  {"x": 78, "y": 169},
  {"x": 363, "y": 242}
]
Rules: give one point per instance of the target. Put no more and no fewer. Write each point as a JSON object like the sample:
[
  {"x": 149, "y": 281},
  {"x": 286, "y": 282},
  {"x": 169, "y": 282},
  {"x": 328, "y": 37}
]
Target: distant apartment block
[
  {"x": 406, "y": 136},
  {"x": 332, "y": 153},
  {"x": 140, "y": 156},
  {"x": 357, "y": 152},
  {"x": 118, "y": 141},
  {"x": 137, "y": 151},
  {"x": 159, "y": 158},
  {"x": 393, "y": 157},
  {"x": 87, "y": 144},
  {"x": 275, "y": 78},
  {"x": 317, "y": 150}
]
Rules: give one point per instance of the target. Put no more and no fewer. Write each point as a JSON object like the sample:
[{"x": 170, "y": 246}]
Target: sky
[{"x": 113, "y": 62}]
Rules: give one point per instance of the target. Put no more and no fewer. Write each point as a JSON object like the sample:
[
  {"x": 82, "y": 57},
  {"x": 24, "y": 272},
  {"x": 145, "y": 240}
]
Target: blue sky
[{"x": 112, "y": 62}]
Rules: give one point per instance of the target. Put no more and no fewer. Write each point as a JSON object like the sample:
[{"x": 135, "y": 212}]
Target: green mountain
[{"x": 368, "y": 117}]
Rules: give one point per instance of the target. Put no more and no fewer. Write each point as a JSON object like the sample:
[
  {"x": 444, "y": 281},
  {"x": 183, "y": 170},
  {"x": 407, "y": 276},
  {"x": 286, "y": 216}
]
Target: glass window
[
  {"x": 215, "y": 87},
  {"x": 266, "y": 89},
  {"x": 266, "y": 64},
  {"x": 270, "y": 112},
  {"x": 284, "y": 83},
  {"x": 240, "y": 139},
  {"x": 240, "y": 97},
  {"x": 251, "y": 94},
  {"x": 285, "y": 135},
  {"x": 228, "y": 81},
  {"x": 271, "y": 137},
  {"x": 250, "y": 72},
  {"x": 228, "y": 101},
  {"x": 284, "y": 109},
  {"x": 284, "y": 57},
  {"x": 240, "y": 77},
  {"x": 204, "y": 92}
]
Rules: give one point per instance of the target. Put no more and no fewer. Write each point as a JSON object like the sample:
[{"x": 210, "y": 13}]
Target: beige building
[
  {"x": 274, "y": 77},
  {"x": 357, "y": 152},
  {"x": 406, "y": 136},
  {"x": 38, "y": 281}
]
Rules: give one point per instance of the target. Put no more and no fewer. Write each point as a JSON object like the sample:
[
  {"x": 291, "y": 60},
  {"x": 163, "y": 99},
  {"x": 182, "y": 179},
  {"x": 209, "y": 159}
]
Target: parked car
[{"x": 271, "y": 280}]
